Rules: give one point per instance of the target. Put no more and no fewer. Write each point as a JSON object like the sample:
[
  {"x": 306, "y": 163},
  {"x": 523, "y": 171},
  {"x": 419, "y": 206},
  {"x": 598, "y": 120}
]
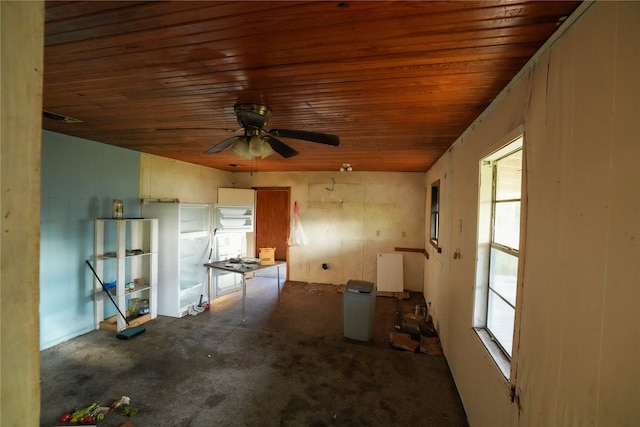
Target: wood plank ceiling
[{"x": 397, "y": 81}]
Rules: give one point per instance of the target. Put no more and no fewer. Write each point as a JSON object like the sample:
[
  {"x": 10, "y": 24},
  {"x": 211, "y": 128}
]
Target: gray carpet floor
[{"x": 288, "y": 364}]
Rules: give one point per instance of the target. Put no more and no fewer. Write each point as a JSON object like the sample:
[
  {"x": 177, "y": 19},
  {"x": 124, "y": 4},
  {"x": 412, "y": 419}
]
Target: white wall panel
[
  {"x": 619, "y": 346},
  {"x": 579, "y": 336},
  {"x": 366, "y": 213}
]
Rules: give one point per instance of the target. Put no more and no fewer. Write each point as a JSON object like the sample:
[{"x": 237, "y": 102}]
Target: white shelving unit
[
  {"x": 185, "y": 246},
  {"x": 125, "y": 250}
]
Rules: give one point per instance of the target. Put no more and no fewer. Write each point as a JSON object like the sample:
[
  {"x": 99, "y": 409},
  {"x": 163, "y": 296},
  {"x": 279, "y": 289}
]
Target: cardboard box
[
  {"x": 267, "y": 256},
  {"x": 403, "y": 342}
]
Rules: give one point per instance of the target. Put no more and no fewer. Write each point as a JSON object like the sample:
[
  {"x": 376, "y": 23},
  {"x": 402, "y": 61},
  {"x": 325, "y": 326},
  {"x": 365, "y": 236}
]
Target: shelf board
[
  {"x": 191, "y": 288},
  {"x": 110, "y": 323},
  {"x": 134, "y": 291},
  {"x": 194, "y": 234},
  {"x": 113, "y": 255}
]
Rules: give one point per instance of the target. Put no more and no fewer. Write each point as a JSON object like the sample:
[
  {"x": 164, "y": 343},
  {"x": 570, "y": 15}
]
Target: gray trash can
[{"x": 359, "y": 309}]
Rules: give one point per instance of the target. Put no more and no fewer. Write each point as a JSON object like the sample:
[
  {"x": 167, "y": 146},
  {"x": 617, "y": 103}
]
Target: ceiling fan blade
[
  {"x": 183, "y": 129},
  {"x": 280, "y": 147},
  {"x": 224, "y": 144},
  {"x": 323, "y": 138}
]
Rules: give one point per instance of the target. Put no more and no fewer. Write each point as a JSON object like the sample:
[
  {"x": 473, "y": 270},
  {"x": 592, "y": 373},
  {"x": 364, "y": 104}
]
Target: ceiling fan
[{"x": 260, "y": 143}]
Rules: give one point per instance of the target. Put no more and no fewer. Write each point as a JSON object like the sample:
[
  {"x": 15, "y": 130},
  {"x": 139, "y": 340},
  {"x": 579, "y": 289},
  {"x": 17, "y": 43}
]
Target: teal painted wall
[{"x": 80, "y": 179}]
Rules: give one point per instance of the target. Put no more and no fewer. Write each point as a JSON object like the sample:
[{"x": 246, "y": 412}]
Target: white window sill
[{"x": 503, "y": 363}]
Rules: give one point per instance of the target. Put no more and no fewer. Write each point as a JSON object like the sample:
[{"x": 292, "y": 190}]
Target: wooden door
[{"x": 272, "y": 220}]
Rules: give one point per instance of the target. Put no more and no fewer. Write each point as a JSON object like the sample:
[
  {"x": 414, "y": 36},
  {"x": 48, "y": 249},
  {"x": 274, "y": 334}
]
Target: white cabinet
[
  {"x": 126, "y": 251},
  {"x": 185, "y": 246},
  {"x": 234, "y": 218}
]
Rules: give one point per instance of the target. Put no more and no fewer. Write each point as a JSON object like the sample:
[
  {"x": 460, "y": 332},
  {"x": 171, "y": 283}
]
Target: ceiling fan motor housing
[{"x": 252, "y": 116}]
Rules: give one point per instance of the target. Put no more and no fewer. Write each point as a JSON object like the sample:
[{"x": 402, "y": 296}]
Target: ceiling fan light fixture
[
  {"x": 252, "y": 148},
  {"x": 240, "y": 148},
  {"x": 258, "y": 147},
  {"x": 346, "y": 167}
]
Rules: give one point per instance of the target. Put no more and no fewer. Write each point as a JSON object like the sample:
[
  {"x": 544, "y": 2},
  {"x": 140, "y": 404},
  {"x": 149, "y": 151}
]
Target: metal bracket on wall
[
  {"x": 422, "y": 251},
  {"x": 145, "y": 201}
]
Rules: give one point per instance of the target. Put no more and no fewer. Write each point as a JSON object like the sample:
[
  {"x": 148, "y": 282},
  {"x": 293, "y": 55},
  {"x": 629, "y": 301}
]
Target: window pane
[
  {"x": 435, "y": 201},
  {"x": 509, "y": 176},
  {"x": 503, "y": 275},
  {"x": 506, "y": 227},
  {"x": 435, "y": 198},
  {"x": 434, "y": 226},
  {"x": 500, "y": 320}
]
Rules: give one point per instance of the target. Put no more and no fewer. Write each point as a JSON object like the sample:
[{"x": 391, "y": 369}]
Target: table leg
[
  {"x": 209, "y": 284},
  {"x": 278, "y": 283},
  {"x": 244, "y": 294}
]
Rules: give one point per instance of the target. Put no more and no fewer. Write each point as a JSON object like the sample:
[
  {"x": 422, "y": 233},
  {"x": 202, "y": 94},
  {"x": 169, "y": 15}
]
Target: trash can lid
[{"x": 359, "y": 286}]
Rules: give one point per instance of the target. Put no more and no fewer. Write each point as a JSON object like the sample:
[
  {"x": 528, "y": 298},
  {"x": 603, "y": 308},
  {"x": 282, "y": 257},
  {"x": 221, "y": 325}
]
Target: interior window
[
  {"x": 435, "y": 214},
  {"x": 499, "y": 248}
]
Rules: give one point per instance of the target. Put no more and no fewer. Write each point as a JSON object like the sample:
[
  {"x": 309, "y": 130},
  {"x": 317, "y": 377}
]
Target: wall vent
[{"x": 59, "y": 117}]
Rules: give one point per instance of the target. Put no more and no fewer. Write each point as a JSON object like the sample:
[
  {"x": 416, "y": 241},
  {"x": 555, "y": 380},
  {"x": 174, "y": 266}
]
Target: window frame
[
  {"x": 486, "y": 210},
  {"x": 434, "y": 216}
]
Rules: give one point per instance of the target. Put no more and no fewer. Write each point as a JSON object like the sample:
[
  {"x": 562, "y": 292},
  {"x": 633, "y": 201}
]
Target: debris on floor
[
  {"x": 124, "y": 400},
  {"x": 130, "y": 411},
  {"x": 322, "y": 288},
  {"x": 413, "y": 325},
  {"x": 417, "y": 326},
  {"x": 414, "y": 330},
  {"x": 397, "y": 295},
  {"x": 403, "y": 341},
  {"x": 94, "y": 412},
  {"x": 400, "y": 296},
  {"x": 431, "y": 346},
  {"x": 89, "y": 414}
]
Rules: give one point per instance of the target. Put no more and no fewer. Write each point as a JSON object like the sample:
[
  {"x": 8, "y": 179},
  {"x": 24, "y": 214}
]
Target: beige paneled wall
[
  {"x": 349, "y": 222},
  {"x": 165, "y": 178},
  {"x": 436, "y": 269},
  {"x": 346, "y": 223},
  {"x": 22, "y": 35},
  {"x": 576, "y": 363}
]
